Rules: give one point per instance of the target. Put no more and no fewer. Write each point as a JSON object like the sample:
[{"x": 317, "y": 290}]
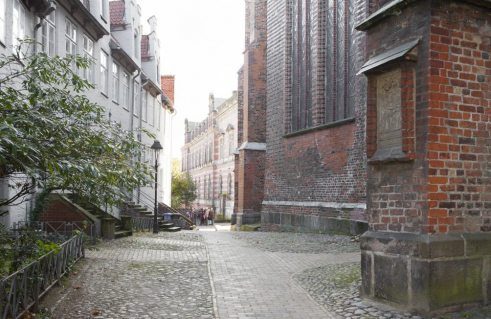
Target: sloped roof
[{"x": 116, "y": 12}]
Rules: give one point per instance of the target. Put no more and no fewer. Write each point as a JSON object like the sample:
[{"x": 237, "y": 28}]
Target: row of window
[
  {"x": 204, "y": 154},
  {"x": 339, "y": 62},
  {"x": 48, "y": 36},
  {"x": 208, "y": 189}
]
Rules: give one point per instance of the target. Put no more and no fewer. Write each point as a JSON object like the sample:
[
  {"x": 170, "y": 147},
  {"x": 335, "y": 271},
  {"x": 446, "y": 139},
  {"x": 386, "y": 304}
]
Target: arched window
[
  {"x": 204, "y": 188},
  {"x": 220, "y": 189},
  {"x": 229, "y": 191},
  {"x": 209, "y": 188}
]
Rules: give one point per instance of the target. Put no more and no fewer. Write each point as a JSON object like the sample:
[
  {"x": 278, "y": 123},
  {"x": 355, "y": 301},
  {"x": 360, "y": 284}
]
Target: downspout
[{"x": 132, "y": 115}]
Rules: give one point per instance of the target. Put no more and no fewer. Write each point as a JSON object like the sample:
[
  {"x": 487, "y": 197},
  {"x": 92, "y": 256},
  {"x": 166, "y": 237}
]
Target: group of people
[{"x": 202, "y": 216}]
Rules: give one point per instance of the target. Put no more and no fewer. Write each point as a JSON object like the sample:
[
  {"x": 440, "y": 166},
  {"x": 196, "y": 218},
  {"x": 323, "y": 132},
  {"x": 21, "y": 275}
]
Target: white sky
[{"x": 202, "y": 42}]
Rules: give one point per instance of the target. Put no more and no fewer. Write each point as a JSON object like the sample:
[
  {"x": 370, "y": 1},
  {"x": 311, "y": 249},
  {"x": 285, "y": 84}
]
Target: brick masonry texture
[
  {"x": 58, "y": 211},
  {"x": 446, "y": 187},
  {"x": 168, "y": 85},
  {"x": 252, "y": 115},
  {"x": 326, "y": 164}
]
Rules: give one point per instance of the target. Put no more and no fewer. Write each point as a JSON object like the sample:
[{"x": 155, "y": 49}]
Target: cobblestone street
[{"x": 220, "y": 274}]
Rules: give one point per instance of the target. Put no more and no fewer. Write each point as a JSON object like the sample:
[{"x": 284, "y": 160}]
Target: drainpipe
[{"x": 133, "y": 107}]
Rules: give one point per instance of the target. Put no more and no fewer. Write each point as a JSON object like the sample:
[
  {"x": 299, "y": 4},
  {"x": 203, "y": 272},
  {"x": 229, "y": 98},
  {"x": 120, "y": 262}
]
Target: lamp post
[{"x": 156, "y": 147}]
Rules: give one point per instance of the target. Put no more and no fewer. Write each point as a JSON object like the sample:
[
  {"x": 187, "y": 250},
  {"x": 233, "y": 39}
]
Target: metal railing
[
  {"x": 58, "y": 230},
  {"x": 142, "y": 224},
  {"x": 184, "y": 221},
  {"x": 163, "y": 208},
  {"x": 22, "y": 290}
]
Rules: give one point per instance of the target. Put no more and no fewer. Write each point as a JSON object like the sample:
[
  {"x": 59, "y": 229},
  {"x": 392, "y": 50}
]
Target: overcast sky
[{"x": 202, "y": 45}]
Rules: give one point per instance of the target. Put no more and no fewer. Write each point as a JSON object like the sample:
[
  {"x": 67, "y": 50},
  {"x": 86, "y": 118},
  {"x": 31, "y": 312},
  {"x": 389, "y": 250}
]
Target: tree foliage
[
  {"x": 52, "y": 136},
  {"x": 183, "y": 187}
]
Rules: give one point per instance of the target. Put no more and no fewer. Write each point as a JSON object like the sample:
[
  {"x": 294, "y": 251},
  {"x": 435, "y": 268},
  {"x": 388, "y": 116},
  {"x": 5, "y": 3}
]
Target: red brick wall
[
  {"x": 459, "y": 118},
  {"x": 445, "y": 188},
  {"x": 324, "y": 165},
  {"x": 167, "y": 82},
  {"x": 397, "y": 197},
  {"x": 59, "y": 211}
]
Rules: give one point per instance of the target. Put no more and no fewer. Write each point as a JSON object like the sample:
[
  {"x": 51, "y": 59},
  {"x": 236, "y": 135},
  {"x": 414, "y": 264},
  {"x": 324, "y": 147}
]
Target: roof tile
[{"x": 116, "y": 11}]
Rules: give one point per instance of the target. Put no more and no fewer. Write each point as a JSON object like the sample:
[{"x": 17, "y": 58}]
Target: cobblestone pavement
[
  {"x": 213, "y": 274},
  {"x": 143, "y": 276},
  {"x": 251, "y": 282}
]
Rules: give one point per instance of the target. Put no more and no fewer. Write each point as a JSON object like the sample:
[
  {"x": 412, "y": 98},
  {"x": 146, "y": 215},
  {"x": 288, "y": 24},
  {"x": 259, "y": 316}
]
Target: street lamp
[{"x": 156, "y": 147}]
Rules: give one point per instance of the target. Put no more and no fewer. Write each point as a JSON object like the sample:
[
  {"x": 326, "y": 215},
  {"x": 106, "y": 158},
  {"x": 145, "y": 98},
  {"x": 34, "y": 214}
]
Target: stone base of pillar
[
  {"x": 247, "y": 219},
  {"x": 233, "y": 219},
  {"x": 127, "y": 222},
  {"x": 427, "y": 274},
  {"x": 108, "y": 227}
]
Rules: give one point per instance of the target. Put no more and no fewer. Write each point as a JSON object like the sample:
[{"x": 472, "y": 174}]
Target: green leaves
[
  {"x": 52, "y": 133},
  {"x": 183, "y": 187}
]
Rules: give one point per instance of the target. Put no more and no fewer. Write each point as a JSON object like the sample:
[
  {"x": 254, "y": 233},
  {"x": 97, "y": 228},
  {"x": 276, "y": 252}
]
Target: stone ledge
[
  {"x": 305, "y": 223},
  {"x": 428, "y": 246}
]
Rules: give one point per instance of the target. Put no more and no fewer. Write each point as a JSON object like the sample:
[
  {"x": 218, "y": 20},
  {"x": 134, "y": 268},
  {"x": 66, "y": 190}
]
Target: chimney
[{"x": 167, "y": 85}]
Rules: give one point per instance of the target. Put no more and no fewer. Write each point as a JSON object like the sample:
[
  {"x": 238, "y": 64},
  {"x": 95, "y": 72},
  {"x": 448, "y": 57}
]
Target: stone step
[
  {"x": 130, "y": 203},
  {"x": 166, "y": 225},
  {"x": 123, "y": 233},
  {"x": 171, "y": 229}
]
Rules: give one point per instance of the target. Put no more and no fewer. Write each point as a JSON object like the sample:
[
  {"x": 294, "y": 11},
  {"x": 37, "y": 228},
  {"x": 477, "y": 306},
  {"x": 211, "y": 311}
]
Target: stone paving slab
[
  {"x": 251, "y": 282},
  {"x": 213, "y": 274}
]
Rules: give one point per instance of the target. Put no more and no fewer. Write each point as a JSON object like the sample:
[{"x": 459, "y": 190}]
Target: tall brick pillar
[
  {"x": 253, "y": 148},
  {"x": 429, "y": 153}
]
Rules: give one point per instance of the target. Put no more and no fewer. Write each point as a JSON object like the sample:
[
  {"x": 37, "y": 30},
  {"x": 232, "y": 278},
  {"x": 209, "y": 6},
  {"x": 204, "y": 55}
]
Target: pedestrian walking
[
  {"x": 212, "y": 217},
  {"x": 207, "y": 216},
  {"x": 203, "y": 216}
]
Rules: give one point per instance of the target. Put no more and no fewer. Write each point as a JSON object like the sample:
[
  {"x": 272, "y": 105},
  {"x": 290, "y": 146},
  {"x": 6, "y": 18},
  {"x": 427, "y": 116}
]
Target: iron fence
[
  {"x": 142, "y": 224},
  {"x": 22, "y": 290},
  {"x": 58, "y": 231}
]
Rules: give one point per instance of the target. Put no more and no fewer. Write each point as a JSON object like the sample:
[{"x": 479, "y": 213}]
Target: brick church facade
[{"x": 359, "y": 115}]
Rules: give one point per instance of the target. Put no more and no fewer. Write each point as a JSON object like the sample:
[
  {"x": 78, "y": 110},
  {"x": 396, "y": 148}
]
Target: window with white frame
[
  {"x": 104, "y": 73},
  {"x": 70, "y": 40},
  {"x": 150, "y": 115},
  {"x": 126, "y": 90},
  {"x": 89, "y": 53},
  {"x": 135, "y": 95},
  {"x": 48, "y": 35},
  {"x": 144, "y": 105},
  {"x": 115, "y": 82},
  {"x": 3, "y": 4},
  {"x": 103, "y": 9},
  {"x": 159, "y": 107},
  {"x": 136, "y": 44},
  {"x": 18, "y": 23}
]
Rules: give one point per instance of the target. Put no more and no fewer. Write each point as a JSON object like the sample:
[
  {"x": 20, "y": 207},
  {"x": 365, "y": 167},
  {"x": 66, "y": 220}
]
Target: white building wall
[{"x": 115, "y": 111}]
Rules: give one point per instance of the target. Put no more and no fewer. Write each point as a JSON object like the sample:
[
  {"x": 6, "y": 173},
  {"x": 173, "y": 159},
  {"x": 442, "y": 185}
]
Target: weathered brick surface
[
  {"x": 252, "y": 112},
  {"x": 325, "y": 165},
  {"x": 59, "y": 211},
  {"x": 445, "y": 188}
]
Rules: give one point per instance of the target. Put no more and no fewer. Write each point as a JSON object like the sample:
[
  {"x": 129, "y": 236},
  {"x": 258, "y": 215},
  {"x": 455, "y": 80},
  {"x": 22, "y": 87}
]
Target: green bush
[{"x": 19, "y": 249}]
